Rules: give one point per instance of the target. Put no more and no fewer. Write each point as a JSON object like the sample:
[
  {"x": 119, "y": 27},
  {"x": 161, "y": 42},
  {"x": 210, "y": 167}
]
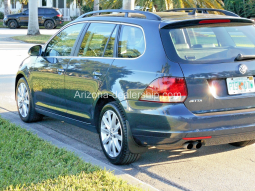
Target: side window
[
  {"x": 63, "y": 42},
  {"x": 131, "y": 42},
  {"x": 95, "y": 39},
  {"x": 110, "y": 46},
  {"x": 26, "y": 12}
]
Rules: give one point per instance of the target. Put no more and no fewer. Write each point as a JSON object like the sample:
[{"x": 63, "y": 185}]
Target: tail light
[
  {"x": 59, "y": 15},
  {"x": 166, "y": 90}
]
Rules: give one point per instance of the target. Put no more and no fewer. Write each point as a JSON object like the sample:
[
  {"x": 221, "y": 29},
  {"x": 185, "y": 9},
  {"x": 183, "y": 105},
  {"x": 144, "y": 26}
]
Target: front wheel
[
  {"x": 13, "y": 24},
  {"x": 113, "y": 135},
  {"x": 24, "y": 102},
  {"x": 49, "y": 24},
  {"x": 243, "y": 143}
]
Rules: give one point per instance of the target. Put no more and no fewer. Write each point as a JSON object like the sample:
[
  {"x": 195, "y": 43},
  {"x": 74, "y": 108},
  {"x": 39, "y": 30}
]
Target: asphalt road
[{"x": 221, "y": 167}]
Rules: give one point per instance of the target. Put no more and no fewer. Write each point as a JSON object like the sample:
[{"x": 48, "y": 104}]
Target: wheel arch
[{"x": 18, "y": 76}]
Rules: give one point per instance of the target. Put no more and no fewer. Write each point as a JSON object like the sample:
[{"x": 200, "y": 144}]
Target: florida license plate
[{"x": 240, "y": 85}]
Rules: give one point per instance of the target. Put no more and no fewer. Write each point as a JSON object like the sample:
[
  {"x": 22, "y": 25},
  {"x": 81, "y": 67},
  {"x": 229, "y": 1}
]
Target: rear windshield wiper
[{"x": 244, "y": 57}]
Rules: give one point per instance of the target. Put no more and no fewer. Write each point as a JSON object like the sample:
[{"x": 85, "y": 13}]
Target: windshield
[{"x": 212, "y": 43}]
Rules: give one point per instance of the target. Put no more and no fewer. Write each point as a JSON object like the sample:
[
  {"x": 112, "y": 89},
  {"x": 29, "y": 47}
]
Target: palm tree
[
  {"x": 128, "y": 4},
  {"x": 162, "y": 5},
  {"x": 6, "y": 7},
  {"x": 33, "y": 25}
]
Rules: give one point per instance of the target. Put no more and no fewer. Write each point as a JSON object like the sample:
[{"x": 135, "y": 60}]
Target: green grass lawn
[
  {"x": 30, "y": 163},
  {"x": 38, "y": 39}
]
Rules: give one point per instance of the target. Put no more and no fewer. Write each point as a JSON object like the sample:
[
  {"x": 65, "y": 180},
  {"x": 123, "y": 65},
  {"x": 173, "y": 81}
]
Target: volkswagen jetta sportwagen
[{"x": 171, "y": 79}]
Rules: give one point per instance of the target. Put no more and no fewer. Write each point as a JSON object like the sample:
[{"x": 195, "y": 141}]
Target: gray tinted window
[
  {"x": 63, "y": 42},
  {"x": 131, "y": 42},
  {"x": 95, "y": 39}
]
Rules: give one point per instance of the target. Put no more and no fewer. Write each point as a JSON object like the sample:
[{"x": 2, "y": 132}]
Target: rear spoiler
[{"x": 199, "y": 21}]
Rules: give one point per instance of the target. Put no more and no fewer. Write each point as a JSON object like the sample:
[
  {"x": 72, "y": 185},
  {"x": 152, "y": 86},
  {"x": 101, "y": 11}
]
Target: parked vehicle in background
[
  {"x": 170, "y": 80},
  {"x": 50, "y": 18}
]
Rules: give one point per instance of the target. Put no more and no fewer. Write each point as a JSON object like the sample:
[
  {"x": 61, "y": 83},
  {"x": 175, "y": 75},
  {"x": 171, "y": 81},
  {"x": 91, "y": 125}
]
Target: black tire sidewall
[
  {"x": 30, "y": 109},
  {"x": 46, "y": 22},
  {"x": 112, "y": 107},
  {"x": 16, "y": 24}
]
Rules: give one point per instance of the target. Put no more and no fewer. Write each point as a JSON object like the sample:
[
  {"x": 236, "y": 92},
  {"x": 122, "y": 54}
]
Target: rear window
[{"x": 211, "y": 43}]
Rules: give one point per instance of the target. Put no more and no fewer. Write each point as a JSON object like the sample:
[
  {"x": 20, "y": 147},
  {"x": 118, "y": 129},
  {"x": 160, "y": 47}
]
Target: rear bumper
[{"x": 155, "y": 124}]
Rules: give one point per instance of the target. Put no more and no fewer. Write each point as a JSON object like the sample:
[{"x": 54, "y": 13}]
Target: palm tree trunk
[
  {"x": 33, "y": 25},
  {"x": 96, "y": 6},
  {"x": 128, "y": 4},
  {"x": 6, "y": 7}
]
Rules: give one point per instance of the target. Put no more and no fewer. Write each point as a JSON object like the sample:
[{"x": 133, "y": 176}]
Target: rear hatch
[{"x": 207, "y": 50}]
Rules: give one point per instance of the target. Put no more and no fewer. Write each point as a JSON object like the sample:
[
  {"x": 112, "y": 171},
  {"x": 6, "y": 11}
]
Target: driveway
[{"x": 221, "y": 167}]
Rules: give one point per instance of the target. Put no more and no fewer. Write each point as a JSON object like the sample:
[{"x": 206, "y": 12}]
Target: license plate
[{"x": 240, "y": 85}]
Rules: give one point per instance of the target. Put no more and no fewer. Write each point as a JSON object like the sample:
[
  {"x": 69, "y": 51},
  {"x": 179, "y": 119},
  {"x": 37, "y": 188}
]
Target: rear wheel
[
  {"x": 13, "y": 24},
  {"x": 243, "y": 143},
  {"x": 24, "y": 102},
  {"x": 113, "y": 135},
  {"x": 49, "y": 24}
]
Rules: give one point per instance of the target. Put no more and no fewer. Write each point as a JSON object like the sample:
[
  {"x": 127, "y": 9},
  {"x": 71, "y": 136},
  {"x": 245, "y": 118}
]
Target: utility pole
[{"x": 128, "y": 4}]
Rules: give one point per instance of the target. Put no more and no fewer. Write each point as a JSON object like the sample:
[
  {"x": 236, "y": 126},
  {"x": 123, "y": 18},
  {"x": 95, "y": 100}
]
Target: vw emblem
[{"x": 243, "y": 69}]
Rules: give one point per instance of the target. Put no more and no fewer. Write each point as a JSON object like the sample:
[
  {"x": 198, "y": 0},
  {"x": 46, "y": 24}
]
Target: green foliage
[
  {"x": 241, "y": 7},
  {"x": 30, "y": 163},
  {"x": 1, "y": 15}
]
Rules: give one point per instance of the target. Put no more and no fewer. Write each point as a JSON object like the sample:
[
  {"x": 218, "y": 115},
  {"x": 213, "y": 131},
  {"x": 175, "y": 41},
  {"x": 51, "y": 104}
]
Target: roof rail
[
  {"x": 204, "y": 10},
  {"x": 148, "y": 15}
]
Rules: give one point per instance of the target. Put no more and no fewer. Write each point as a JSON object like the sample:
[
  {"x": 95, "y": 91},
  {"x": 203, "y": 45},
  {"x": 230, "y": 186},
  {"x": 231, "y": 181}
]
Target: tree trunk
[
  {"x": 33, "y": 25},
  {"x": 96, "y": 6},
  {"x": 6, "y": 7},
  {"x": 128, "y": 4}
]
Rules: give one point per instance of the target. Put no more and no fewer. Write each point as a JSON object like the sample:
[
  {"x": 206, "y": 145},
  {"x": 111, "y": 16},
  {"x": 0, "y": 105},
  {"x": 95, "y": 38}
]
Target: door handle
[{"x": 97, "y": 74}]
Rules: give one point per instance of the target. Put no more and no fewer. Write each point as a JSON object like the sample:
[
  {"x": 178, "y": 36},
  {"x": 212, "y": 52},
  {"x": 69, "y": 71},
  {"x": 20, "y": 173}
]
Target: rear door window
[
  {"x": 131, "y": 42},
  {"x": 95, "y": 39},
  {"x": 62, "y": 44}
]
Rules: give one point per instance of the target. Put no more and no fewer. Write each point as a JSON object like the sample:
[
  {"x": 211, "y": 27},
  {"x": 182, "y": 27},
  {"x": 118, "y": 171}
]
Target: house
[{"x": 69, "y": 8}]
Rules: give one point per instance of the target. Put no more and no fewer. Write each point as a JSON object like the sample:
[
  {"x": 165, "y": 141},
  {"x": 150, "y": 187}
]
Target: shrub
[
  {"x": 1, "y": 15},
  {"x": 240, "y": 7}
]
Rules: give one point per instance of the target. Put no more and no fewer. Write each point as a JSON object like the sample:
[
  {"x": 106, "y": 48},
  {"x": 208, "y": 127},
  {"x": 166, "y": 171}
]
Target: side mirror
[
  {"x": 35, "y": 50},
  {"x": 23, "y": 13}
]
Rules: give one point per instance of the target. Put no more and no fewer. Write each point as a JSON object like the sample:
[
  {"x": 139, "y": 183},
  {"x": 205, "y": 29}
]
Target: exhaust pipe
[
  {"x": 188, "y": 145},
  {"x": 191, "y": 145},
  {"x": 197, "y": 145}
]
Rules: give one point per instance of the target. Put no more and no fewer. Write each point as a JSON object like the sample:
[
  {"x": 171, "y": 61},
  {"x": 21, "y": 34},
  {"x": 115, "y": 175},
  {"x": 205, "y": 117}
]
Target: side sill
[{"x": 81, "y": 124}]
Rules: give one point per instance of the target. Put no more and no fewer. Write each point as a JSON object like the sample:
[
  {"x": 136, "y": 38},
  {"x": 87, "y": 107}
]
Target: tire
[
  {"x": 49, "y": 24},
  {"x": 12, "y": 24},
  {"x": 243, "y": 143},
  {"x": 109, "y": 138},
  {"x": 25, "y": 103}
]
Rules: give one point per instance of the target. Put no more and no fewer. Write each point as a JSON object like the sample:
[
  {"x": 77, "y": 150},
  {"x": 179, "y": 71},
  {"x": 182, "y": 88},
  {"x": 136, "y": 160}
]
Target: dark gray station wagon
[{"x": 171, "y": 79}]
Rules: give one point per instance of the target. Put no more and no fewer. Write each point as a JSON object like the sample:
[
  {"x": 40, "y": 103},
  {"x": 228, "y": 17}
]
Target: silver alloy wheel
[
  {"x": 23, "y": 100},
  {"x": 111, "y": 133}
]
